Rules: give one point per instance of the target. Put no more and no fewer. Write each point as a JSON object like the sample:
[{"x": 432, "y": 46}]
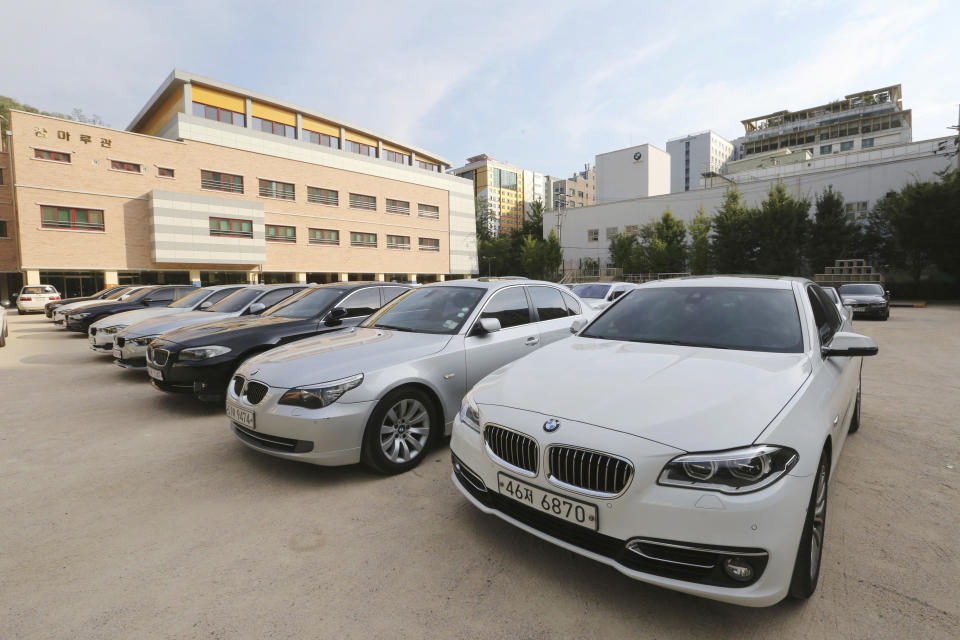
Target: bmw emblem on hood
[{"x": 551, "y": 425}]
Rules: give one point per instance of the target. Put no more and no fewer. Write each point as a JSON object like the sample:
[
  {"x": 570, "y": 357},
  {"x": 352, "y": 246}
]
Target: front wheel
[
  {"x": 855, "y": 420},
  {"x": 401, "y": 429},
  {"x": 806, "y": 568}
]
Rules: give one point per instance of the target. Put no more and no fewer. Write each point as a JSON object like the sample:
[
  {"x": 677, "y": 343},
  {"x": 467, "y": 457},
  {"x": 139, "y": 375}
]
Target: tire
[
  {"x": 21, "y": 312},
  {"x": 886, "y": 315},
  {"x": 3, "y": 336},
  {"x": 400, "y": 431},
  {"x": 806, "y": 568},
  {"x": 855, "y": 420}
]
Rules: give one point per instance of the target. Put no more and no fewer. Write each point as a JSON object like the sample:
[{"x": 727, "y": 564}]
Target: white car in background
[
  {"x": 101, "y": 333},
  {"x": 686, "y": 437},
  {"x": 116, "y": 296},
  {"x": 34, "y": 297},
  {"x": 845, "y": 310},
  {"x": 601, "y": 295}
]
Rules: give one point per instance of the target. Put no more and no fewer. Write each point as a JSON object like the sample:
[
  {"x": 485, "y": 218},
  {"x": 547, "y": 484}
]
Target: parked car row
[{"x": 685, "y": 434}]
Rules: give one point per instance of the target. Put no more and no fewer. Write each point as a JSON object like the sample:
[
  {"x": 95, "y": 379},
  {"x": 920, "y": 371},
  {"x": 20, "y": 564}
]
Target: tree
[
  {"x": 698, "y": 256},
  {"x": 834, "y": 235},
  {"x": 672, "y": 233},
  {"x": 552, "y": 256},
  {"x": 734, "y": 245},
  {"x": 7, "y": 103},
  {"x": 622, "y": 248},
  {"x": 531, "y": 256},
  {"x": 533, "y": 219},
  {"x": 484, "y": 219},
  {"x": 783, "y": 224},
  {"x": 589, "y": 266}
]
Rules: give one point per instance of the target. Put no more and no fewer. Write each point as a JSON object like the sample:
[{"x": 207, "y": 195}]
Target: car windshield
[
  {"x": 35, "y": 291},
  {"x": 305, "y": 305},
  {"x": 191, "y": 300},
  {"x": 741, "y": 318},
  {"x": 832, "y": 294},
  {"x": 117, "y": 294},
  {"x": 236, "y": 301},
  {"x": 591, "y": 290},
  {"x": 428, "y": 310},
  {"x": 862, "y": 289}
]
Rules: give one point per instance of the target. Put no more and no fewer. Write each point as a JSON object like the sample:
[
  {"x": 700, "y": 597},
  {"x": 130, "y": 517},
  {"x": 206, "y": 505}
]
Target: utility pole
[{"x": 956, "y": 140}]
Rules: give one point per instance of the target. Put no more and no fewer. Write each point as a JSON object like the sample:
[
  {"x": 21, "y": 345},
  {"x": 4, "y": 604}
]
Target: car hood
[
  {"x": 690, "y": 398},
  {"x": 227, "y": 328},
  {"x": 73, "y": 306},
  {"x": 863, "y": 299},
  {"x": 159, "y": 326},
  {"x": 126, "y": 318},
  {"x": 340, "y": 354}
]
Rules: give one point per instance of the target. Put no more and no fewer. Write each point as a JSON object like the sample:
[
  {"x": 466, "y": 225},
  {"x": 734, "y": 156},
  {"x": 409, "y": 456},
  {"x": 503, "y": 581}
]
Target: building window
[
  {"x": 358, "y": 239},
  {"x": 218, "y": 114},
  {"x": 322, "y": 139},
  {"x": 276, "y": 128},
  {"x": 358, "y": 201},
  {"x": 221, "y": 181},
  {"x": 362, "y": 149},
  {"x": 398, "y": 242},
  {"x": 632, "y": 230},
  {"x": 593, "y": 235},
  {"x": 429, "y": 166},
  {"x": 866, "y": 143},
  {"x": 612, "y": 233},
  {"x": 429, "y": 244},
  {"x": 71, "y": 218},
  {"x": 825, "y": 149},
  {"x": 398, "y": 206},
  {"x": 231, "y": 227},
  {"x": 846, "y": 146},
  {"x": 56, "y": 156},
  {"x": 278, "y": 190},
  {"x": 396, "y": 156},
  {"x": 580, "y": 193},
  {"x": 119, "y": 165},
  {"x": 278, "y": 233},
  {"x": 428, "y": 211},
  {"x": 163, "y": 172},
  {"x": 323, "y": 196},
  {"x": 3, "y": 229},
  {"x": 856, "y": 210},
  {"x": 571, "y": 192},
  {"x": 324, "y": 236}
]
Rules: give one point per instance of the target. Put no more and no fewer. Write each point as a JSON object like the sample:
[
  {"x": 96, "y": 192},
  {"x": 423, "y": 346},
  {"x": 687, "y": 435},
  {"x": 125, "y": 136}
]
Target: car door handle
[
  {"x": 532, "y": 341},
  {"x": 836, "y": 419}
]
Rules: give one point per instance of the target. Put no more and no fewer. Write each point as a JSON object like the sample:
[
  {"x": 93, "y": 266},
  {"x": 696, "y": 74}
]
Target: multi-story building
[
  {"x": 864, "y": 120},
  {"x": 504, "y": 190},
  {"x": 693, "y": 155},
  {"x": 213, "y": 183},
  {"x": 634, "y": 172},
  {"x": 579, "y": 190}
]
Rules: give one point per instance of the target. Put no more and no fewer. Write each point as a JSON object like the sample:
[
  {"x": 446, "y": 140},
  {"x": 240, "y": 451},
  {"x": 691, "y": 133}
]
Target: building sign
[
  {"x": 41, "y": 132},
  {"x": 637, "y": 156}
]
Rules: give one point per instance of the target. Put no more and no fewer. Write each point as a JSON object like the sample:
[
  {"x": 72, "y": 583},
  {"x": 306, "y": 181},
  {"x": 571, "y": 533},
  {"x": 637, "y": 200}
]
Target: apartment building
[
  {"x": 506, "y": 191},
  {"x": 214, "y": 183},
  {"x": 579, "y": 190},
  {"x": 695, "y": 154}
]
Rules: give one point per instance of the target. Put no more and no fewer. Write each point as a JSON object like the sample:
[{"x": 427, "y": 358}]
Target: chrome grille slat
[
  {"x": 586, "y": 471},
  {"x": 511, "y": 448}
]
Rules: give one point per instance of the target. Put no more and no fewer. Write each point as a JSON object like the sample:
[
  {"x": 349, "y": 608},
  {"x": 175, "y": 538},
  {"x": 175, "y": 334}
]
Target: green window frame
[
  {"x": 277, "y": 190},
  {"x": 218, "y": 181},
  {"x": 231, "y": 227},
  {"x": 325, "y": 236},
  {"x": 360, "y": 201},
  {"x": 361, "y": 239},
  {"x": 398, "y": 242},
  {"x": 71, "y": 218},
  {"x": 280, "y": 233}
]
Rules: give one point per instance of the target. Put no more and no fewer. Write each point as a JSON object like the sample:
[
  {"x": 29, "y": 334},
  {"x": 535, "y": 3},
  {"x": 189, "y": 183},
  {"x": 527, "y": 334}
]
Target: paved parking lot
[{"x": 126, "y": 513}]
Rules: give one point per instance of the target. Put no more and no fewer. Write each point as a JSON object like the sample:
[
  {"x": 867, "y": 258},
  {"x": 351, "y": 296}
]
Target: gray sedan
[{"x": 383, "y": 392}]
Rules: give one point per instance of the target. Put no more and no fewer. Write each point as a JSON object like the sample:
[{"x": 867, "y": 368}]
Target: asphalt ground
[{"x": 128, "y": 513}]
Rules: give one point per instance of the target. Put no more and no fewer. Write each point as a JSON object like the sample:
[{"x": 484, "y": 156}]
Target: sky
[{"x": 542, "y": 85}]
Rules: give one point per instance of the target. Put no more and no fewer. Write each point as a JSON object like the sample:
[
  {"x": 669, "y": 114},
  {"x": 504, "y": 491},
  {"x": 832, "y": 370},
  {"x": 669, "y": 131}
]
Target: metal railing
[{"x": 218, "y": 185}]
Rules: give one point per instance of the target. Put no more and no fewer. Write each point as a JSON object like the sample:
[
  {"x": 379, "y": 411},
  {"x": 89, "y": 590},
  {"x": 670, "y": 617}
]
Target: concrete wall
[{"x": 634, "y": 172}]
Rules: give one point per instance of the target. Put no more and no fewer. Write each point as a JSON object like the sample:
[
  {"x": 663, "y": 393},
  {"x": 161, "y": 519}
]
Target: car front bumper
[
  {"x": 331, "y": 436},
  {"x": 100, "y": 341},
  {"x": 130, "y": 355},
  {"x": 767, "y": 521}
]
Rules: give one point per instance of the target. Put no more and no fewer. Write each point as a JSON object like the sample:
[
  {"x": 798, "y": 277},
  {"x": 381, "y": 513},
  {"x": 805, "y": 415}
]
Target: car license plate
[
  {"x": 117, "y": 352},
  {"x": 859, "y": 308},
  {"x": 242, "y": 416},
  {"x": 581, "y": 513},
  {"x": 156, "y": 374}
]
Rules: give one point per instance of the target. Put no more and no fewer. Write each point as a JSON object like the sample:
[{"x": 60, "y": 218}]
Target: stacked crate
[{"x": 848, "y": 271}]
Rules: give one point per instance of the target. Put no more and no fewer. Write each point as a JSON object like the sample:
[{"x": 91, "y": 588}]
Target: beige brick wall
[
  {"x": 88, "y": 181},
  {"x": 8, "y": 245}
]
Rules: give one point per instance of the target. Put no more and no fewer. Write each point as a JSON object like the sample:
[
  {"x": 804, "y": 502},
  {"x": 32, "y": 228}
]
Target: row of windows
[
  {"x": 866, "y": 125},
  {"x": 276, "y": 128},
  {"x": 288, "y": 234},
  {"x": 513, "y": 307},
  {"x": 71, "y": 218},
  {"x": 827, "y": 149}
]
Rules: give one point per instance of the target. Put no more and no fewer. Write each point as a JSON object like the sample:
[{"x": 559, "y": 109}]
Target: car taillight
[
  {"x": 26, "y": 298},
  {"x": 52, "y": 298}
]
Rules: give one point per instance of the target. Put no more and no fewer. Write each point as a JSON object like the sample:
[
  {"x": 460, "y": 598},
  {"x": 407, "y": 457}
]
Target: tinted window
[
  {"x": 38, "y": 290},
  {"x": 277, "y": 295},
  {"x": 360, "y": 304},
  {"x": 389, "y": 293},
  {"x": 742, "y": 318},
  {"x": 236, "y": 301},
  {"x": 591, "y": 290},
  {"x": 832, "y": 294},
  {"x": 548, "y": 302},
  {"x": 307, "y": 304},
  {"x": 509, "y": 306},
  {"x": 161, "y": 295},
  {"x": 117, "y": 293},
  {"x": 573, "y": 306},
  {"x": 137, "y": 295},
  {"x": 429, "y": 310},
  {"x": 217, "y": 296},
  {"x": 190, "y": 300},
  {"x": 824, "y": 314},
  {"x": 185, "y": 291},
  {"x": 862, "y": 289}
]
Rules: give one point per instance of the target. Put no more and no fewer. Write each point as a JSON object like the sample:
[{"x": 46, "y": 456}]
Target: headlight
[
  {"x": 322, "y": 395},
  {"x": 144, "y": 341},
  {"x": 79, "y": 314},
  {"x": 470, "y": 412},
  {"x": 737, "y": 471},
  {"x": 202, "y": 353},
  {"x": 111, "y": 330}
]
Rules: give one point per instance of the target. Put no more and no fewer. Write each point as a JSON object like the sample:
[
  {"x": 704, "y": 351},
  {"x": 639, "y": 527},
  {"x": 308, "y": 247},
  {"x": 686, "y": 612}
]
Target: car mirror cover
[
  {"x": 489, "y": 325},
  {"x": 848, "y": 344}
]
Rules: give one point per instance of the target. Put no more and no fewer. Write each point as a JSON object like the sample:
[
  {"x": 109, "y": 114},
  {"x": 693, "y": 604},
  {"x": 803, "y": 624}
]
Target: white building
[
  {"x": 634, "y": 172},
  {"x": 693, "y": 155},
  {"x": 861, "y": 177}
]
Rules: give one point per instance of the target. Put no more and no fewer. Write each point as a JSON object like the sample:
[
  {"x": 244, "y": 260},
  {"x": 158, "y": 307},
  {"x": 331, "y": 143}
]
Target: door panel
[{"x": 486, "y": 352}]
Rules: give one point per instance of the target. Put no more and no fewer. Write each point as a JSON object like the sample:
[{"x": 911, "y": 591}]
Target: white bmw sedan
[{"x": 685, "y": 437}]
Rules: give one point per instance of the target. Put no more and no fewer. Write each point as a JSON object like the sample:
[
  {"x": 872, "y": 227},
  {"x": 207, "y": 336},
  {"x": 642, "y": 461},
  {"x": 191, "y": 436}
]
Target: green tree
[
  {"x": 533, "y": 219},
  {"x": 552, "y": 256},
  {"x": 589, "y": 266},
  {"x": 834, "y": 235},
  {"x": 698, "y": 256},
  {"x": 531, "y": 256},
  {"x": 484, "y": 219},
  {"x": 782, "y": 225},
  {"x": 622, "y": 248},
  {"x": 733, "y": 243},
  {"x": 7, "y": 103},
  {"x": 672, "y": 233}
]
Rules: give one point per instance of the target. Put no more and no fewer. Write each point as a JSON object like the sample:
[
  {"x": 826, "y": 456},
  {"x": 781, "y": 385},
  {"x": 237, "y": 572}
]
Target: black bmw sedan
[
  {"x": 81, "y": 318},
  {"x": 867, "y": 300},
  {"x": 201, "y": 359}
]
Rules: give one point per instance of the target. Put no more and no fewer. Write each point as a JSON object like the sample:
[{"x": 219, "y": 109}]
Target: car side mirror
[
  {"x": 205, "y": 305},
  {"x": 489, "y": 325},
  {"x": 847, "y": 303},
  {"x": 886, "y": 293},
  {"x": 577, "y": 325},
  {"x": 256, "y": 308},
  {"x": 848, "y": 344},
  {"x": 335, "y": 316}
]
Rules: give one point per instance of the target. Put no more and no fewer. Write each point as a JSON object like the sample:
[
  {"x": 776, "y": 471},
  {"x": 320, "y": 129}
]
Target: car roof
[
  {"x": 490, "y": 283},
  {"x": 749, "y": 281}
]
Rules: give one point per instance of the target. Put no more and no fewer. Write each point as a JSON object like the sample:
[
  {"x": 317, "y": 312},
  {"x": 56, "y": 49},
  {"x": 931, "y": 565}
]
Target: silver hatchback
[{"x": 383, "y": 392}]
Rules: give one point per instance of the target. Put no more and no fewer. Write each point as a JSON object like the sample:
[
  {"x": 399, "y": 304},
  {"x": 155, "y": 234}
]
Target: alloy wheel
[
  {"x": 819, "y": 522},
  {"x": 405, "y": 430}
]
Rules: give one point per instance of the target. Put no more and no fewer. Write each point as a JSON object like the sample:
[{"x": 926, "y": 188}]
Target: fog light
[{"x": 738, "y": 569}]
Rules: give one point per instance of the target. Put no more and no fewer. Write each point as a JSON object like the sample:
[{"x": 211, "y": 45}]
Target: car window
[
  {"x": 271, "y": 298},
  {"x": 832, "y": 294},
  {"x": 548, "y": 302},
  {"x": 820, "y": 316},
  {"x": 185, "y": 291},
  {"x": 360, "y": 304},
  {"x": 307, "y": 304},
  {"x": 573, "y": 306},
  {"x": 389, "y": 293},
  {"x": 36, "y": 291},
  {"x": 741, "y": 318},
  {"x": 113, "y": 295},
  {"x": 190, "y": 300},
  {"x": 509, "y": 306},
  {"x": 833, "y": 315},
  {"x": 441, "y": 310},
  {"x": 862, "y": 289},
  {"x": 161, "y": 295},
  {"x": 217, "y": 296},
  {"x": 236, "y": 301},
  {"x": 598, "y": 291}
]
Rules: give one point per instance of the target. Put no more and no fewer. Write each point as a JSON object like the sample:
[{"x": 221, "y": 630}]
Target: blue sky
[{"x": 544, "y": 85}]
